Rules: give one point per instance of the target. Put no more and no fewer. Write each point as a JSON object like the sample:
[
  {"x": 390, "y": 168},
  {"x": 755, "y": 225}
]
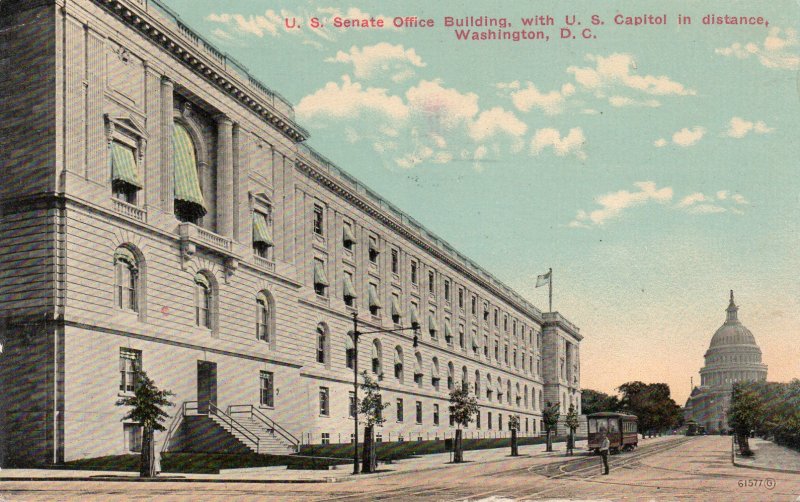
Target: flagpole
[{"x": 550, "y": 283}]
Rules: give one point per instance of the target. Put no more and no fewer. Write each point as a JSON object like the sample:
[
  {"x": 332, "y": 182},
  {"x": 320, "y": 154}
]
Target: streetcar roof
[{"x": 611, "y": 414}]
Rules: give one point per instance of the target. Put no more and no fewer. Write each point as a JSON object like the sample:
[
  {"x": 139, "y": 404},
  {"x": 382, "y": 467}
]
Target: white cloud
[
  {"x": 551, "y": 103},
  {"x": 572, "y": 143},
  {"x": 349, "y": 100},
  {"x": 660, "y": 142},
  {"x": 494, "y": 121},
  {"x": 620, "y": 101},
  {"x": 616, "y": 70},
  {"x": 739, "y": 127},
  {"x": 722, "y": 194},
  {"x": 442, "y": 107},
  {"x": 739, "y": 199},
  {"x": 778, "y": 50},
  {"x": 614, "y": 203},
  {"x": 722, "y": 201},
  {"x": 372, "y": 60},
  {"x": 270, "y": 23},
  {"x": 688, "y": 137},
  {"x": 692, "y": 199}
]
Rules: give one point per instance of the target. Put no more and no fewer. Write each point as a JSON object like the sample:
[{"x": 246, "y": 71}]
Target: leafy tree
[
  {"x": 571, "y": 421},
  {"x": 744, "y": 415},
  {"x": 371, "y": 408},
  {"x": 463, "y": 407},
  {"x": 147, "y": 409},
  {"x": 513, "y": 426},
  {"x": 593, "y": 401},
  {"x": 651, "y": 403},
  {"x": 550, "y": 417}
]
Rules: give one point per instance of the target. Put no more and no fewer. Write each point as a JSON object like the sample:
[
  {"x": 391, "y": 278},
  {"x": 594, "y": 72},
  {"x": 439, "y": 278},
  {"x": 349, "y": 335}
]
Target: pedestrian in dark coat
[{"x": 604, "y": 446}]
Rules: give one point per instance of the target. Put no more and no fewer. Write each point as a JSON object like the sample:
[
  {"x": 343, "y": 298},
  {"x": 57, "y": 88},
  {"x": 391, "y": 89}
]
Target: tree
[
  {"x": 550, "y": 417},
  {"x": 371, "y": 407},
  {"x": 463, "y": 408},
  {"x": 513, "y": 426},
  {"x": 651, "y": 403},
  {"x": 147, "y": 405},
  {"x": 571, "y": 421},
  {"x": 745, "y": 415},
  {"x": 593, "y": 401}
]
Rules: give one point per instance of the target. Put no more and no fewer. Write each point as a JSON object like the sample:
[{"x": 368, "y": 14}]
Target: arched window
[
  {"x": 450, "y": 376},
  {"x": 526, "y": 396},
  {"x": 265, "y": 323},
  {"x": 204, "y": 305},
  {"x": 377, "y": 366},
  {"x": 126, "y": 279},
  {"x": 322, "y": 343},
  {"x": 464, "y": 379},
  {"x": 477, "y": 384},
  {"x": 398, "y": 363},
  {"x": 418, "y": 369},
  {"x": 541, "y": 400},
  {"x": 499, "y": 390},
  {"x": 189, "y": 203},
  {"x": 435, "y": 373},
  {"x": 349, "y": 351},
  {"x": 489, "y": 387},
  {"x": 518, "y": 395}
]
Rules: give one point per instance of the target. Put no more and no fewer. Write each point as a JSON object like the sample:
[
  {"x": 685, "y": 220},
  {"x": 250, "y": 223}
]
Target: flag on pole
[{"x": 543, "y": 280}]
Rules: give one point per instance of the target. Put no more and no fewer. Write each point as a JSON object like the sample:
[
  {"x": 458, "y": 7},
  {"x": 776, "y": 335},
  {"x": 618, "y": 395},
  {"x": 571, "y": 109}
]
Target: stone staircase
[{"x": 268, "y": 440}]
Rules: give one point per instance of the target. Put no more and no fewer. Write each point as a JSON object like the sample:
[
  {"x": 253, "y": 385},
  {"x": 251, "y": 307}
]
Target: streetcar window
[
  {"x": 598, "y": 425},
  {"x": 613, "y": 426}
]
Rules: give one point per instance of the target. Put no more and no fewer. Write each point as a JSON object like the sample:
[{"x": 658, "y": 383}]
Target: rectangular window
[
  {"x": 486, "y": 346},
  {"x": 325, "y": 438},
  {"x": 414, "y": 275},
  {"x": 419, "y": 412},
  {"x": 349, "y": 294},
  {"x": 324, "y": 401},
  {"x": 130, "y": 363},
  {"x": 373, "y": 250},
  {"x": 474, "y": 305},
  {"x": 319, "y": 218},
  {"x": 489, "y": 420},
  {"x": 133, "y": 437},
  {"x": 500, "y": 421},
  {"x": 348, "y": 237},
  {"x": 320, "y": 277},
  {"x": 447, "y": 290},
  {"x": 452, "y": 420},
  {"x": 505, "y": 323},
  {"x": 399, "y": 410},
  {"x": 460, "y": 298},
  {"x": 352, "y": 407},
  {"x": 431, "y": 282},
  {"x": 267, "y": 389},
  {"x": 485, "y": 311},
  {"x": 496, "y": 318},
  {"x": 395, "y": 261},
  {"x": 435, "y": 414},
  {"x": 478, "y": 420},
  {"x": 505, "y": 354}
]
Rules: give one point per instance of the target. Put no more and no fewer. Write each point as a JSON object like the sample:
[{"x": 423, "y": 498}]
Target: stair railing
[
  {"x": 233, "y": 424},
  {"x": 176, "y": 419},
  {"x": 270, "y": 424}
]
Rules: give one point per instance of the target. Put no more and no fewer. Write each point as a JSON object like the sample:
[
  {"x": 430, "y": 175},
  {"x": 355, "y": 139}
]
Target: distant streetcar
[
  {"x": 621, "y": 429},
  {"x": 692, "y": 429}
]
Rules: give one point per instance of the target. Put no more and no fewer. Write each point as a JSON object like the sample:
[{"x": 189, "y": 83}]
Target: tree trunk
[
  {"x": 146, "y": 467},
  {"x": 369, "y": 462},
  {"x": 458, "y": 448},
  {"x": 744, "y": 444},
  {"x": 514, "y": 449},
  {"x": 571, "y": 442},
  {"x": 549, "y": 442}
]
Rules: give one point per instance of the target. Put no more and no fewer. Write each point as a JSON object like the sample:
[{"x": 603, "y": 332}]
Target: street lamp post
[{"x": 356, "y": 335}]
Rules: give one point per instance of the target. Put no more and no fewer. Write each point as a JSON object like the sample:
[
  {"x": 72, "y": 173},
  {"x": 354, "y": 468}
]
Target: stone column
[
  {"x": 224, "y": 176},
  {"x": 167, "y": 177}
]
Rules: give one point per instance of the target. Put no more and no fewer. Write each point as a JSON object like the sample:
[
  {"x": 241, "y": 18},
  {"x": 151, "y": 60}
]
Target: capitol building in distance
[{"x": 733, "y": 356}]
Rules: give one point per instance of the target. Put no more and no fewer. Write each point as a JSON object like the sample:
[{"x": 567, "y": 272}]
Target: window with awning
[
  {"x": 413, "y": 316},
  {"x": 374, "y": 298},
  {"x": 433, "y": 328},
  {"x": 261, "y": 233},
  {"x": 448, "y": 333},
  {"x": 320, "y": 277},
  {"x": 123, "y": 166},
  {"x": 348, "y": 290},
  {"x": 435, "y": 371},
  {"x": 397, "y": 312},
  {"x": 189, "y": 200},
  {"x": 126, "y": 256},
  {"x": 418, "y": 365},
  {"x": 348, "y": 238}
]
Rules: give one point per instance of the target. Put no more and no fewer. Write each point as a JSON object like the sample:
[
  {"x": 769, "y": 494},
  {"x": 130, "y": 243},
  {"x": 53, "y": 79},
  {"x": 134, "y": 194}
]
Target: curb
[{"x": 768, "y": 469}]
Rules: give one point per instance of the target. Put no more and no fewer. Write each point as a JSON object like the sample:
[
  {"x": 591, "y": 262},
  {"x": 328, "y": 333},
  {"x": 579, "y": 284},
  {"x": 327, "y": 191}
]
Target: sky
[{"x": 652, "y": 167}]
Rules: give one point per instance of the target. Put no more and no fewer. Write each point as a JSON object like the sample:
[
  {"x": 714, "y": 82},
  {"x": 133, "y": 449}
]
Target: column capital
[
  {"x": 166, "y": 81},
  {"x": 223, "y": 119}
]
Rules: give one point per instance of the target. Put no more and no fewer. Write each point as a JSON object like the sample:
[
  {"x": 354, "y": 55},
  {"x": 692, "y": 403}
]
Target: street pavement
[{"x": 670, "y": 468}]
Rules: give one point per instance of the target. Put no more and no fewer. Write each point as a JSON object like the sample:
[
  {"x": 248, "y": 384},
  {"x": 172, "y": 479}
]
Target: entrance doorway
[{"x": 206, "y": 385}]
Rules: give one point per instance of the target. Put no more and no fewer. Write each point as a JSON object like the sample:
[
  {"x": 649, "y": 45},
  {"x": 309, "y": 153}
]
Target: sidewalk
[
  {"x": 770, "y": 456},
  {"x": 282, "y": 475}
]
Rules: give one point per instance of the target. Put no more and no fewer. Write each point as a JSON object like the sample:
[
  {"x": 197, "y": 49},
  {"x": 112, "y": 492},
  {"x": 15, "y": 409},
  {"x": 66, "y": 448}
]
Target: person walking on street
[{"x": 604, "y": 446}]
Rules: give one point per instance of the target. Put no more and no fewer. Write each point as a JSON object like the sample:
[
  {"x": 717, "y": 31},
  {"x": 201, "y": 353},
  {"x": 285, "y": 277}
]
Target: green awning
[
  {"x": 123, "y": 165},
  {"x": 432, "y": 327},
  {"x": 396, "y": 310},
  {"x": 348, "y": 238},
  {"x": 320, "y": 278},
  {"x": 125, "y": 255},
  {"x": 261, "y": 229},
  {"x": 374, "y": 298},
  {"x": 349, "y": 290},
  {"x": 412, "y": 317},
  {"x": 187, "y": 181}
]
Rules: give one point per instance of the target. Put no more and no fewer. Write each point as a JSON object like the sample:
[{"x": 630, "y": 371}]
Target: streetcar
[
  {"x": 621, "y": 429},
  {"x": 692, "y": 429}
]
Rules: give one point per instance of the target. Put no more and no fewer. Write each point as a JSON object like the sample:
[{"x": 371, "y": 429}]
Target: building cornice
[
  {"x": 339, "y": 188},
  {"x": 208, "y": 62}
]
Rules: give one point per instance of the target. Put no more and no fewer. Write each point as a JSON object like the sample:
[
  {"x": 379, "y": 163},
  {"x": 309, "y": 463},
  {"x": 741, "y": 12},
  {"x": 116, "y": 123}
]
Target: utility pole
[{"x": 356, "y": 466}]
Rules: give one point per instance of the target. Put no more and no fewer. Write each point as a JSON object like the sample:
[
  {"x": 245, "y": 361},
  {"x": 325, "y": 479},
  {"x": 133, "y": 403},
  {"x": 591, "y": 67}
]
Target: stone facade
[
  {"x": 97, "y": 282},
  {"x": 733, "y": 356}
]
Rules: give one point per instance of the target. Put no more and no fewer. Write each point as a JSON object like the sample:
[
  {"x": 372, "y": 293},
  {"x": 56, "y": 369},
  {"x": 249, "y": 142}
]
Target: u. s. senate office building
[{"x": 160, "y": 212}]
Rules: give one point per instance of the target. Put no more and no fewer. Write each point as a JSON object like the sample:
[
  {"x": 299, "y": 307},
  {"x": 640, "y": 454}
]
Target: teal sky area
[{"x": 653, "y": 167}]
